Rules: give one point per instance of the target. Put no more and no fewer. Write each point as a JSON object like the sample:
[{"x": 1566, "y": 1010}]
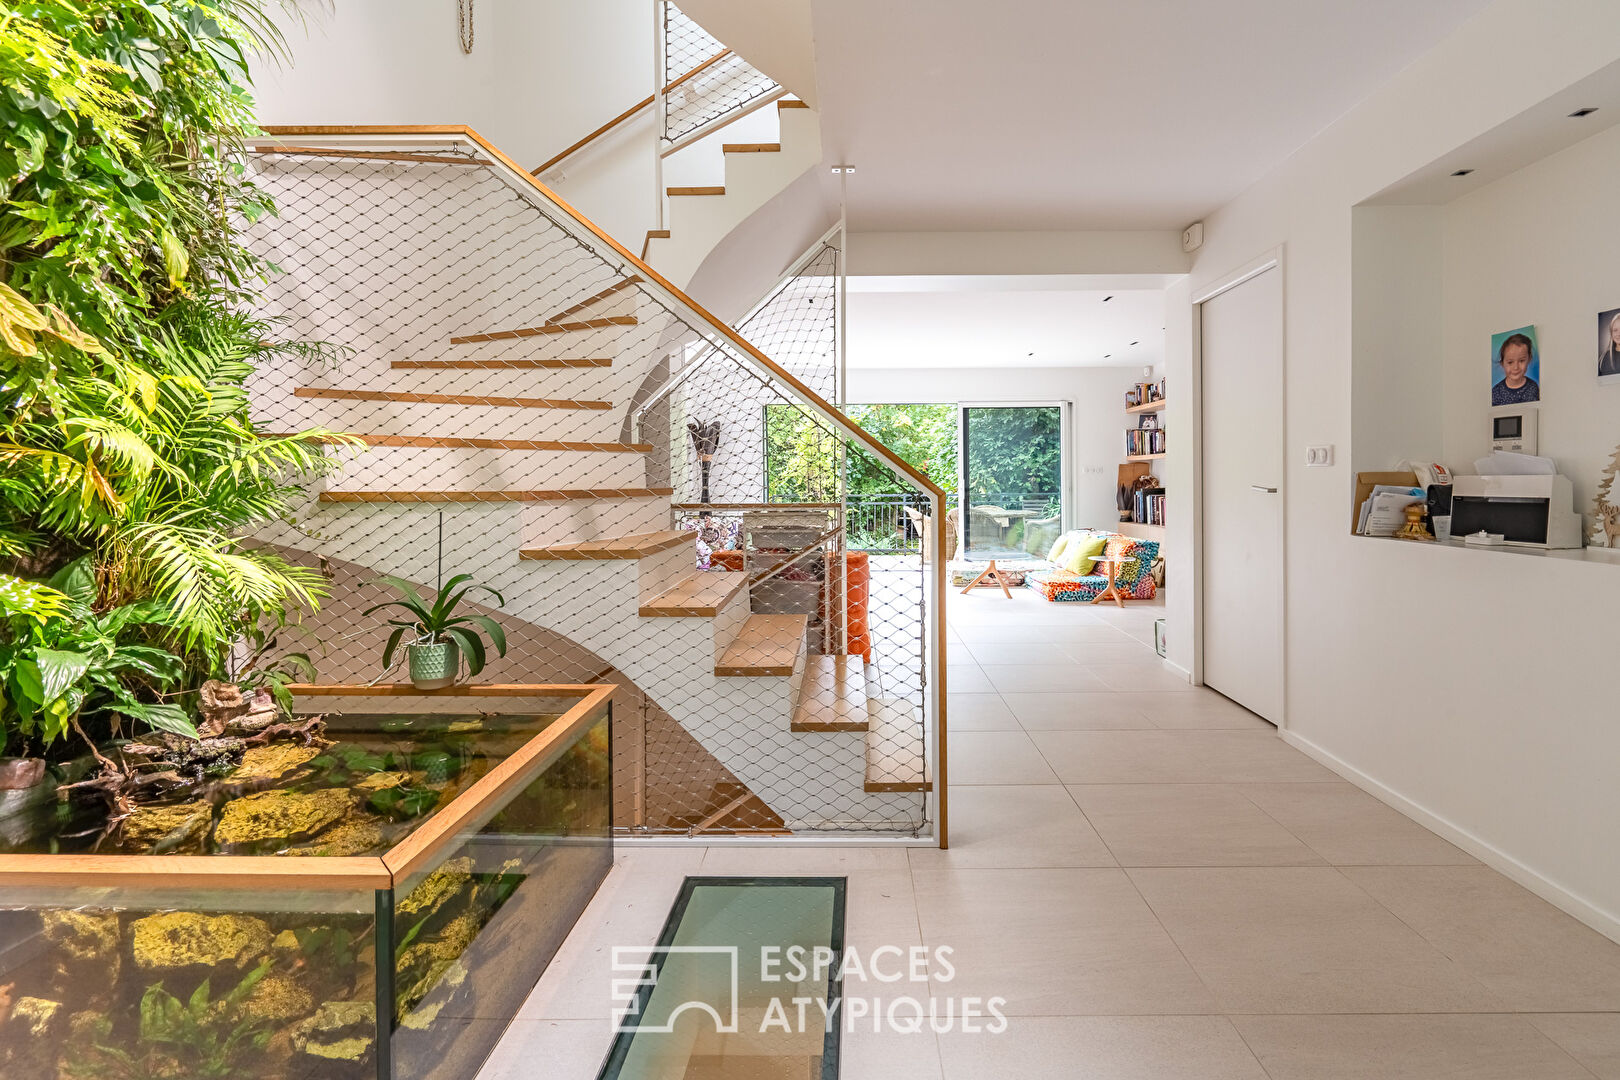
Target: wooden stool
[
  {"x": 1111, "y": 565},
  {"x": 995, "y": 579}
]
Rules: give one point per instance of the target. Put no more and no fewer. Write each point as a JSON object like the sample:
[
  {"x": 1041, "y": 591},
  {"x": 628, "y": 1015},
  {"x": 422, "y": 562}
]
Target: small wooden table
[
  {"x": 1111, "y": 565},
  {"x": 995, "y": 579}
]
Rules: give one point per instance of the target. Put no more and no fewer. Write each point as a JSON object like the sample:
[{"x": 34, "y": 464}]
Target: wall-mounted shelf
[
  {"x": 1145, "y": 407},
  {"x": 1144, "y": 457}
]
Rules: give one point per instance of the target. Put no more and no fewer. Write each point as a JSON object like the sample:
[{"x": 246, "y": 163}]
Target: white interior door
[{"x": 1243, "y": 503}]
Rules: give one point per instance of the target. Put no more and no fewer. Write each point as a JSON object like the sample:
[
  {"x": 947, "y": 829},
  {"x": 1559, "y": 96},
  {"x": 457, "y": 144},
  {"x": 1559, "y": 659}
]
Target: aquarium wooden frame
[{"x": 412, "y": 855}]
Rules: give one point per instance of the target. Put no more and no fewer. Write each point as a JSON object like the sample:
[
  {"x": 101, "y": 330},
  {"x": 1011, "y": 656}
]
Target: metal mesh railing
[
  {"x": 723, "y": 87},
  {"x": 512, "y": 375}
]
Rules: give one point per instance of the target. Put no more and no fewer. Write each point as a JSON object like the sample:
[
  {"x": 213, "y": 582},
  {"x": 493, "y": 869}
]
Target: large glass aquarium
[{"x": 371, "y": 906}]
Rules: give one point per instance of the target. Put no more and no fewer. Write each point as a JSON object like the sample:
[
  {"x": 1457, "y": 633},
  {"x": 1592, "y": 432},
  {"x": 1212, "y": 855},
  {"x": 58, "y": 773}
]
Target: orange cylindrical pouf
[
  {"x": 726, "y": 560},
  {"x": 857, "y": 587}
]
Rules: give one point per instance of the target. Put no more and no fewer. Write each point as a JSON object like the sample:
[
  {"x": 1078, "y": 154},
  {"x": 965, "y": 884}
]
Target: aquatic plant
[{"x": 197, "y": 1038}]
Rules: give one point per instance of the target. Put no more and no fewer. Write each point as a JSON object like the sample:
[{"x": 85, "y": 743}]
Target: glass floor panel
[{"x": 739, "y": 987}]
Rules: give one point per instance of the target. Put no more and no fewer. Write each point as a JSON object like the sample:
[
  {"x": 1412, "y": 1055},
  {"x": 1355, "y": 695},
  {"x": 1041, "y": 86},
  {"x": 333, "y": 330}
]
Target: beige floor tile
[
  {"x": 1011, "y": 633},
  {"x": 570, "y": 1049},
  {"x": 1054, "y": 943},
  {"x": 1175, "y": 757},
  {"x": 1533, "y": 956},
  {"x": 806, "y": 860},
  {"x": 967, "y": 679},
  {"x": 1040, "y": 678},
  {"x": 1110, "y": 652},
  {"x": 632, "y": 858},
  {"x": 1198, "y": 708},
  {"x": 956, "y": 652},
  {"x": 881, "y": 909},
  {"x": 1593, "y": 1039},
  {"x": 1302, "y": 940},
  {"x": 889, "y": 1055},
  {"x": 996, "y": 757},
  {"x": 1077, "y": 711},
  {"x": 1348, "y": 827},
  {"x": 1188, "y": 825},
  {"x": 1141, "y": 677},
  {"x": 1023, "y": 826},
  {"x": 979, "y": 712},
  {"x": 1405, "y": 1048},
  {"x": 1102, "y": 1048},
  {"x": 1026, "y": 652}
]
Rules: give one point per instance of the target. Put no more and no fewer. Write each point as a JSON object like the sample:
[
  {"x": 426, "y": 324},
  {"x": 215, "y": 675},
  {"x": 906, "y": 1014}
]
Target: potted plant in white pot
[{"x": 440, "y": 635}]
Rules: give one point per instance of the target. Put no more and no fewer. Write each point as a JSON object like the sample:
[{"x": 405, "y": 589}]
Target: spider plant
[{"x": 439, "y": 622}]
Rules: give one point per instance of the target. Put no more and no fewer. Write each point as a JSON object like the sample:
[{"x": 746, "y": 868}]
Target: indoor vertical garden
[
  {"x": 129, "y": 469},
  {"x": 196, "y": 879}
]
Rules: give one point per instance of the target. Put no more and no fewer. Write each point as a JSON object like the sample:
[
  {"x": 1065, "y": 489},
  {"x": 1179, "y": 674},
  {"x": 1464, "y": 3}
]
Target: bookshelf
[{"x": 1142, "y": 508}]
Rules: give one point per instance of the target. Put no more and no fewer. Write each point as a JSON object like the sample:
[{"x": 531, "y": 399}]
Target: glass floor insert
[{"x": 740, "y": 985}]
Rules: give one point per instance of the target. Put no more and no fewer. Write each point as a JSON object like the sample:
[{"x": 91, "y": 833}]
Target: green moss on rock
[
  {"x": 279, "y": 997},
  {"x": 273, "y": 762},
  {"x": 280, "y": 816},
  {"x": 357, "y": 836},
  {"x": 180, "y": 939},
  {"x": 339, "y": 1031},
  {"x": 168, "y": 828},
  {"x": 438, "y": 887},
  {"x": 82, "y": 935}
]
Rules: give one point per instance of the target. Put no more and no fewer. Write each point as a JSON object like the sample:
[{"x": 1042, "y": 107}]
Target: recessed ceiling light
[
  {"x": 1136, "y": 343},
  {"x": 1029, "y": 354},
  {"x": 1462, "y": 172},
  {"x": 1108, "y": 356},
  {"x": 1578, "y": 113},
  {"x": 1107, "y": 298}
]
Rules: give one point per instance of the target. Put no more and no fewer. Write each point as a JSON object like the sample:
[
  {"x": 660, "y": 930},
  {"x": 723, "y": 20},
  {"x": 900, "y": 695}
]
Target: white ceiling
[
  {"x": 1091, "y": 114},
  {"x": 997, "y": 322}
]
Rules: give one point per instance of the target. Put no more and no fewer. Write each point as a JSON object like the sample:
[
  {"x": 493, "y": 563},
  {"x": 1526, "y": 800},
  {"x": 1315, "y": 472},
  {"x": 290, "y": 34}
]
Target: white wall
[
  {"x": 1513, "y": 760},
  {"x": 542, "y": 74},
  {"x": 1537, "y": 247},
  {"x": 1098, "y": 414}
]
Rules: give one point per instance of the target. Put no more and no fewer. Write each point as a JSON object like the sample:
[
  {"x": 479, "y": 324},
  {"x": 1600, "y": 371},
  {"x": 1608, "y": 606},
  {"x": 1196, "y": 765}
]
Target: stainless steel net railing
[
  {"x": 728, "y": 85},
  {"x": 538, "y": 409}
]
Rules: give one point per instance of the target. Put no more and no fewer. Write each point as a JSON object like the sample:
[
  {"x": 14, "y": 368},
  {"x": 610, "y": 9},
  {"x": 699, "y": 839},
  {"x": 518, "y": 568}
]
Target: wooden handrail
[
  {"x": 815, "y": 400},
  {"x": 628, "y": 113}
]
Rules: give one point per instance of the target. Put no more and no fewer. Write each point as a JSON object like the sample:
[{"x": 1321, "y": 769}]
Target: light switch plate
[{"x": 1318, "y": 457}]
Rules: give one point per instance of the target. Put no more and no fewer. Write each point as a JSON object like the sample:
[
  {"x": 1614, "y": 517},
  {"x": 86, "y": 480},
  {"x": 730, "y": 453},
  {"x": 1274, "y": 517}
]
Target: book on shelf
[
  {"x": 1140, "y": 441},
  {"x": 1148, "y": 508}
]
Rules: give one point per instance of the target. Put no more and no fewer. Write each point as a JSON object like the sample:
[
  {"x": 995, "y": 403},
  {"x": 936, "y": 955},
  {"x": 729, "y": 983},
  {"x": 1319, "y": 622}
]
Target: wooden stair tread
[
  {"x": 833, "y": 697},
  {"x": 766, "y": 645},
  {"x": 634, "y": 546},
  {"x": 700, "y": 596},
  {"x": 895, "y": 754},
  {"x": 703, "y": 190},
  {"x": 491, "y": 496},
  {"x": 617, "y": 286},
  {"x": 603, "y": 323},
  {"x": 442, "y": 442},
  {"x": 792, "y": 103},
  {"x": 484, "y": 365},
  {"x": 652, "y": 234},
  {"x": 751, "y": 148},
  {"x": 338, "y": 394}
]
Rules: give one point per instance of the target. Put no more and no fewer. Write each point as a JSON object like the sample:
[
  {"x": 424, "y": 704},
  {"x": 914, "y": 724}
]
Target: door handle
[{"x": 1263, "y": 489}]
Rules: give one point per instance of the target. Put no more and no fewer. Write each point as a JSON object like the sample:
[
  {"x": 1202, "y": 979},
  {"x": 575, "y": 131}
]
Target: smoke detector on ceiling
[{"x": 1192, "y": 237}]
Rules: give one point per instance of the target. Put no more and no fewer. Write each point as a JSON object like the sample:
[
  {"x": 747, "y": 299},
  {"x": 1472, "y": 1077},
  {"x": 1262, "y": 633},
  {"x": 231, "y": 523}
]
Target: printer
[{"x": 1528, "y": 511}]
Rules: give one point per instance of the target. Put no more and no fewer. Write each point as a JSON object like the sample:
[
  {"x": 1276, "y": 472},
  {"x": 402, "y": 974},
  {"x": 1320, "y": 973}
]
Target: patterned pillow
[{"x": 1143, "y": 551}]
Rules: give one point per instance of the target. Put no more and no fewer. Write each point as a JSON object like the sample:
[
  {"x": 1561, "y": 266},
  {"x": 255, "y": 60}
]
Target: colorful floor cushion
[
  {"x": 1012, "y": 571},
  {"x": 1060, "y": 586}
]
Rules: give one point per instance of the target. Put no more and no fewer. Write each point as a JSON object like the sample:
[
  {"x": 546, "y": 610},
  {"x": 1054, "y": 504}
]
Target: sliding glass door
[{"x": 1013, "y": 479}]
